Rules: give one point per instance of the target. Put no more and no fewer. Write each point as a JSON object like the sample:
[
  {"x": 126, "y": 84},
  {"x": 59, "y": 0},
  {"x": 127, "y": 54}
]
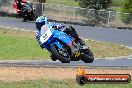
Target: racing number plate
[{"x": 45, "y": 36}]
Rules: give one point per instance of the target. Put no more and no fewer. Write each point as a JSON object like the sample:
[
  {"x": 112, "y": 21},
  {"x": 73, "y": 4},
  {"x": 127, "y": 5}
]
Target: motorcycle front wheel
[
  {"x": 87, "y": 56},
  {"x": 61, "y": 55}
]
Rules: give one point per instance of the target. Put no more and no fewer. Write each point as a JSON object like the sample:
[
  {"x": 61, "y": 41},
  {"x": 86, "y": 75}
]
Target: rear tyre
[
  {"x": 87, "y": 56},
  {"x": 23, "y": 19},
  {"x": 22, "y": 16},
  {"x": 61, "y": 55},
  {"x": 34, "y": 16}
]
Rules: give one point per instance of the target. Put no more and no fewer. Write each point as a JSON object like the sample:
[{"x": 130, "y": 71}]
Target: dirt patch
[
  {"x": 9, "y": 74},
  {"x": 18, "y": 74}
]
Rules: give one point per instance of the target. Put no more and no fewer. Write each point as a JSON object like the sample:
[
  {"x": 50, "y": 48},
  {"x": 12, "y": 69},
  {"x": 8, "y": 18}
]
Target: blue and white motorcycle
[{"x": 64, "y": 47}]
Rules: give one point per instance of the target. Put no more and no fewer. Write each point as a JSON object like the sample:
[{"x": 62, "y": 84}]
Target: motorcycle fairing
[
  {"x": 57, "y": 43},
  {"x": 56, "y": 38},
  {"x": 63, "y": 37}
]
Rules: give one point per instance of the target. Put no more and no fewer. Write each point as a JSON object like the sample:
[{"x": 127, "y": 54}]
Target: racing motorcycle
[
  {"x": 26, "y": 13},
  {"x": 64, "y": 47}
]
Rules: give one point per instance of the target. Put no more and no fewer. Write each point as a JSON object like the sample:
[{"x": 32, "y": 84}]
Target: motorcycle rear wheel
[
  {"x": 23, "y": 19},
  {"x": 34, "y": 16},
  {"x": 60, "y": 56}
]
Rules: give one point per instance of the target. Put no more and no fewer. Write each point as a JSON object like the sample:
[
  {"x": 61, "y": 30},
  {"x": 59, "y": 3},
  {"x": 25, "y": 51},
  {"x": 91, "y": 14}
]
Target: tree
[
  {"x": 127, "y": 18},
  {"x": 94, "y": 4}
]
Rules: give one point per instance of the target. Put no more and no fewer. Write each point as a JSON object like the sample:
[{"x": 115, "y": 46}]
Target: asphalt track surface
[
  {"x": 113, "y": 35},
  {"x": 120, "y": 63}
]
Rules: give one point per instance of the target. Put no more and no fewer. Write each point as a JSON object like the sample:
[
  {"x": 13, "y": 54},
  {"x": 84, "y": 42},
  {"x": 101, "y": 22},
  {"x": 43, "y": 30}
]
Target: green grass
[
  {"x": 63, "y": 2},
  {"x": 19, "y": 45},
  {"x": 58, "y": 84},
  {"x": 118, "y": 9},
  {"x": 73, "y": 3},
  {"x": 12, "y": 47},
  {"x": 20, "y": 48},
  {"x": 118, "y": 3},
  {"x": 108, "y": 49}
]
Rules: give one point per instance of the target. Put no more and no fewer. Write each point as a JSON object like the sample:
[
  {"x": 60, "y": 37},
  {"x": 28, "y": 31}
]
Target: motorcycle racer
[
  {"x": 17, "y": 5},
  {"x": 43, "y": 21},
  {"x": 24, "y": 10},
  {"x": 44, "y": 32}
]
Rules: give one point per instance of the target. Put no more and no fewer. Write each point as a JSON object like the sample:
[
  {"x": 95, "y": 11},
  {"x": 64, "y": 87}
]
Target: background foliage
[{"x": 127, "y": 9}]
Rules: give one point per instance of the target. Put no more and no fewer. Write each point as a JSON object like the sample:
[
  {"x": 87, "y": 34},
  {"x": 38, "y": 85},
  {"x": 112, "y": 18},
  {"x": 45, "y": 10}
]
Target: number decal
[{"x": 45, "y": 36}]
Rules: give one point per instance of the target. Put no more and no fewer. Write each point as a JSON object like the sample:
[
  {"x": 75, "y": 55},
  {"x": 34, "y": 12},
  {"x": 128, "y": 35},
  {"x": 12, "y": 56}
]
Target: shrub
[
  {"x": 94, "y": 17},
  {"x": 94, "y": 4},
  {"x": 126, "y": 17}
]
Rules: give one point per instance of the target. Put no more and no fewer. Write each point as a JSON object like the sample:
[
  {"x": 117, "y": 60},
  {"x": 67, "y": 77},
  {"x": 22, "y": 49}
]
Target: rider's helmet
[{"x": 40, "y": 21}]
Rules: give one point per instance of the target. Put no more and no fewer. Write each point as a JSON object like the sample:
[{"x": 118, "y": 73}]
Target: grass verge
[
  {"x": 21, "y": 45},
  {"x": 117, "y": 9},
  {"x": 58, "y": 84},
  {"x": 63, "y": 2},
  {"x": 102, "y": 50},
  {"x": 74, "y": 3},
  {"x": 118, "y": 2}
]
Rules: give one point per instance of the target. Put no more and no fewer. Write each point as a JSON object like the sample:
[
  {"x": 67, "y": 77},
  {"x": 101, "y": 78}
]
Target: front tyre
[
  {"x": 87, "y": 56},
  {"x": 53, "y": 57},
  {"x": 62, "y": 56}
]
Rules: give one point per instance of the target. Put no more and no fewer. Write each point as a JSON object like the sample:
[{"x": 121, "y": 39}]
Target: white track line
[{"x": 17, "y": 28}]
